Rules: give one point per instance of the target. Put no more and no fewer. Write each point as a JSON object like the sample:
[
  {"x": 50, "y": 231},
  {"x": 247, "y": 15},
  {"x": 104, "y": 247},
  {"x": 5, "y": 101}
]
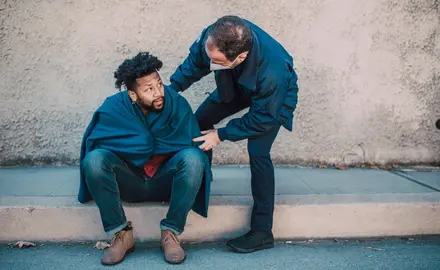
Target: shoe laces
[
  {"x": 171, "y": 237},
  {"x": 118, "y": 237}
]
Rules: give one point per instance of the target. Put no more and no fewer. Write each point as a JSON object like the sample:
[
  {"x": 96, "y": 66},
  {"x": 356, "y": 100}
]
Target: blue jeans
[{"x": 110, "y": 180}]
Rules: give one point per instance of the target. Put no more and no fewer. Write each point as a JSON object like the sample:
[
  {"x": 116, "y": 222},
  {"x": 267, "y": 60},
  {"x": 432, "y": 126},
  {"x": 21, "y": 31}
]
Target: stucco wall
[{"x": 369, "y": 72}]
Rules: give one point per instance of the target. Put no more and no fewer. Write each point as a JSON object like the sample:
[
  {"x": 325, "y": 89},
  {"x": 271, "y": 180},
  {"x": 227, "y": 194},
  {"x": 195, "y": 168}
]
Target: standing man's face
[
  {"x": 149, "y": 94},
  {"x": 217, "y": 57}
]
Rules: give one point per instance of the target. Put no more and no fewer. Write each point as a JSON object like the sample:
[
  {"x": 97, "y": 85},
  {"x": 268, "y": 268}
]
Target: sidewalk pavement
[{"x": 39, "y": 203}]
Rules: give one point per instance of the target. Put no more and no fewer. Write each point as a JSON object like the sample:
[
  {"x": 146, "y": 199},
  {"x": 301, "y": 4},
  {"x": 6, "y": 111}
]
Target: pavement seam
[{"x": 412, "y": 179}]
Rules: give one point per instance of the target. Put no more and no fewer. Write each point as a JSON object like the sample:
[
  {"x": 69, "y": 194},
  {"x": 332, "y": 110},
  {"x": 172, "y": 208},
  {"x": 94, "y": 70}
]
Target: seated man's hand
[{"x": 210, "y": 139}]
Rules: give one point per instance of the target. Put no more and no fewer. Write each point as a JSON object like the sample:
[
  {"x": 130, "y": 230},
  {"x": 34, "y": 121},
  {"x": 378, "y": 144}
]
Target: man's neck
[{"x": 144, "y": 112}]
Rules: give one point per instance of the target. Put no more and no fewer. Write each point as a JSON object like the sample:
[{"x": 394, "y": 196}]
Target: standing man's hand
[{"x": 210, "y": 139}]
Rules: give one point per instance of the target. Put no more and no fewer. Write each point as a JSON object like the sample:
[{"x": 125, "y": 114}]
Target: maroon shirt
[{"x": 154, "y": 163}]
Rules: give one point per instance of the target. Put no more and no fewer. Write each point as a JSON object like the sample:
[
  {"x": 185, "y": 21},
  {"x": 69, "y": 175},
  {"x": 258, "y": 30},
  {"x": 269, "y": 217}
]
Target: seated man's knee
[
  {"x": 193, "y": 162},
  {"x": 95, "y": 163}
]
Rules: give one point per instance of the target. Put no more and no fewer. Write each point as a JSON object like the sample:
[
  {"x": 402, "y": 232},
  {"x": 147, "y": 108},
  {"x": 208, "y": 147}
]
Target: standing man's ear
[{"x": 243, "y": 55}]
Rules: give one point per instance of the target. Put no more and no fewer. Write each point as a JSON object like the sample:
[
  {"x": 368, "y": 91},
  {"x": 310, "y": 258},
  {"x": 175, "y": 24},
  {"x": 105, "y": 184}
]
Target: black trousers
[{"x": 210, "y": 113}]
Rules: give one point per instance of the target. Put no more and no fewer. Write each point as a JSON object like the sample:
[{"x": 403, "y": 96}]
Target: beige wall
[{"x": 369, "y": 72}]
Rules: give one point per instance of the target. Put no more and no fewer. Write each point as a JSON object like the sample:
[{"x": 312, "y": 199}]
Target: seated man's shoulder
[
  {"x": 113, "y": 99},
  {"x": 181, "y": 100},
  {"x": 115, "y": 96}
]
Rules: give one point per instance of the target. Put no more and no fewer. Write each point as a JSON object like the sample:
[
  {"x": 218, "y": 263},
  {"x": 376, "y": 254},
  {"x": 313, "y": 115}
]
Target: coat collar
[{"x": 248, "y": 76}]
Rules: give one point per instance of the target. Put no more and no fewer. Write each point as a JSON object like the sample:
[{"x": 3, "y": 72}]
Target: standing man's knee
[
  {"x": 258, "y": 151},
  {"x": 205, "y": 114},
  {"x": 203, "y": 120}
]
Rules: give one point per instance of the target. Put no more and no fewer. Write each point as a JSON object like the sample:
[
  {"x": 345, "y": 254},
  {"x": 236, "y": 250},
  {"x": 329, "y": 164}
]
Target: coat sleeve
[
  {"x": 263, "y": 113},
  {"x": 194, "y": 67}
]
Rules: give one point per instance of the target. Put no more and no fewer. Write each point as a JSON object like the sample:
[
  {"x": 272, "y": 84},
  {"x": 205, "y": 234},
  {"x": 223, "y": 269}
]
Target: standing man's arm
[
  {"x": 195, "y": 66},
  {"x": 263, "y": 113},
  {"x": 262, "y": 116}
]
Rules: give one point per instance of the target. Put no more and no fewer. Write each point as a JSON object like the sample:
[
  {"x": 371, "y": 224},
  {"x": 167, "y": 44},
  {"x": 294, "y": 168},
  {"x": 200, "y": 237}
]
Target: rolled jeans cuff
[
  {"x": 164, "y": 227},
  {"x": 116, "y": 229}
]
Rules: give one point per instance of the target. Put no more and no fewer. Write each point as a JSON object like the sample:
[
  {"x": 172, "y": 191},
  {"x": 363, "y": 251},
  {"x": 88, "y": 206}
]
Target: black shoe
[{"x": 252, "y": 241}]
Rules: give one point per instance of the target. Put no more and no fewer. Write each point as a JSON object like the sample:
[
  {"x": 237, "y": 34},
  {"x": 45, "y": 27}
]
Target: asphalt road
[{"x": 400, "y": 253}]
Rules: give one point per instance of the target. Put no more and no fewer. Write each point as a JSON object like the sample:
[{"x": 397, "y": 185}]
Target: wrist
[{"x": 222, "y": 134}]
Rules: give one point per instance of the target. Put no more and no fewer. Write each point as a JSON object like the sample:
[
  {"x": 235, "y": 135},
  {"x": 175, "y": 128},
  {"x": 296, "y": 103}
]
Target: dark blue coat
[
  {"x": 266, "y": 77},
  {"x": 119, "y": 126}
]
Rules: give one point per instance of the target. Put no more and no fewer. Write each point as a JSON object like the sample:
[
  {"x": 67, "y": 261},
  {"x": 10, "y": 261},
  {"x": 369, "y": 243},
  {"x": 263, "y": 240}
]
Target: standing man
[{"x": 252, "y": 70}]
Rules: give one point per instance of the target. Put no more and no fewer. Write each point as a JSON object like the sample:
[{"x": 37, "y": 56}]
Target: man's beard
[{"x": 152, "y": 108}]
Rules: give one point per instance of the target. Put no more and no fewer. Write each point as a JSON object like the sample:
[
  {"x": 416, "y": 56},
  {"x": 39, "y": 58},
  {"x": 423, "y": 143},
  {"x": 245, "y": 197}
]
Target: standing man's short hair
[{"x": 231, "y": 35}]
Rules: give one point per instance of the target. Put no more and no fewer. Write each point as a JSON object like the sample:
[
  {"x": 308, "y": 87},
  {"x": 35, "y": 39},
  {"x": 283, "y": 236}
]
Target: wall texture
[{"x": 369, "y": 72}]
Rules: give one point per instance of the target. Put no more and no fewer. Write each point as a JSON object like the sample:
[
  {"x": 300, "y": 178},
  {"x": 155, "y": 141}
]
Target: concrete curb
[{"x": 296, "y": 216}]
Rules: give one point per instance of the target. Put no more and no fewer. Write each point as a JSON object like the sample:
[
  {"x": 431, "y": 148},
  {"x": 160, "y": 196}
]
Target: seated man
[{"x": 138, "y": 147}]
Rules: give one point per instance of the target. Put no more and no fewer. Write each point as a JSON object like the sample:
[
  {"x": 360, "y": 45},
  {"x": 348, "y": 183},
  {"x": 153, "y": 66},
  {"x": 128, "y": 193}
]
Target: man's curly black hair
[{"x": 137, "y": 67}]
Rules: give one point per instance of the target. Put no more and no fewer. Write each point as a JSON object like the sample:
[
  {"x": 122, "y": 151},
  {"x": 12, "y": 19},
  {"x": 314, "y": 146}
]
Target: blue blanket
[{"x": 119, "y": 126}]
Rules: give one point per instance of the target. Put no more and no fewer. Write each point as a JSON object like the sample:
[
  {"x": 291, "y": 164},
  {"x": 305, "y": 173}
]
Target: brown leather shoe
[
  {"x": 172, "y": 251},
  {"x": 122, "y": 244}
]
